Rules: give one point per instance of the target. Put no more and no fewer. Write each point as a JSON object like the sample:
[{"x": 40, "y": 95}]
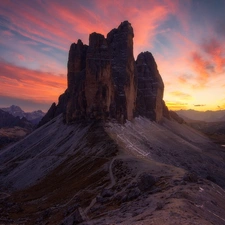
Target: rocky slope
[
  {"x": 16, "y": 124},
  {"x": 141, "y": 172}
]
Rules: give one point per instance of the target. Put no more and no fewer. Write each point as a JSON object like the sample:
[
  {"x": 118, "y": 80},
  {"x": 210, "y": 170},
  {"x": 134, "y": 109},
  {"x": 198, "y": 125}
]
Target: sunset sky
[{"x": 186, "y": 37}]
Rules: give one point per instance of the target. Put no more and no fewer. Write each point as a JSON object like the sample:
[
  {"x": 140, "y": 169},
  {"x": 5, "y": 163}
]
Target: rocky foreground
[{"x": 138, "y": 173}]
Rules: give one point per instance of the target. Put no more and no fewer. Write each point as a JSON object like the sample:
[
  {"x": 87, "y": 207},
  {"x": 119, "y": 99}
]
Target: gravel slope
[{"x": 139, "y": 173}]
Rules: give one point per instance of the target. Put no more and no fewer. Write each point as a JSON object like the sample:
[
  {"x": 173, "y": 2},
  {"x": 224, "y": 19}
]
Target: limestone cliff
[
  {"x": 105, "y": 82},
  {"x": 101, "y": 77},
  {"x": 150, "y": 88}
]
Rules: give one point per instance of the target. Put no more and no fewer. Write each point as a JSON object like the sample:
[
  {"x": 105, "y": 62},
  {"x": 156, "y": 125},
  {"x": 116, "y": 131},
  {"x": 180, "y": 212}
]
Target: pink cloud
[
  {"x": 216, "y": 51},
  {"x": 58, "y": 25},
  {"x": 145, "y": 18},
  {"x": 20, "y": 57},
  {"x": 7, "y": 33}
]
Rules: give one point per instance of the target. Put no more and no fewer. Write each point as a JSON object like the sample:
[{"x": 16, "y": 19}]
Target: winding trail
[
  {"x": 4, "y": 195},
  {"x": 113, "y": 182}
]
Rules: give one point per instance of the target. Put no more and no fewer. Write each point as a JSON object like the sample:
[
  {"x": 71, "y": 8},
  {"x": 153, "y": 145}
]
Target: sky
[{"x": 186, "y": 38}]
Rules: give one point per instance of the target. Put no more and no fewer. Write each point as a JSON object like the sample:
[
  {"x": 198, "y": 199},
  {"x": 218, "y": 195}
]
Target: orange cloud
[
  {"x": 182, "y": 79},
  {"x": 29, "y": 84},
  {"x": 145, "y": 17},
  {"x": 176, "y": 105},
  {"x": 208, "y": 62},
  {"x": 181, "y": 95}
]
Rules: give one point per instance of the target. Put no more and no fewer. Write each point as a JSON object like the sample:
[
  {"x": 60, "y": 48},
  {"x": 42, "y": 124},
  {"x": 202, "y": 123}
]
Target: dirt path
[{"x": 4, "y": 195}]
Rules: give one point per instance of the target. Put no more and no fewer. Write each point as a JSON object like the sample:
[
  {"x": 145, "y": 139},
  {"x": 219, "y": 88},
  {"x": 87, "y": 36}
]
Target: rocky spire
[
  {"x": 101, "y": 77},
  {"x": 123, "y": 71},
  {"x": 76, "y": 102},
  {"x": 150, "y": 88}
]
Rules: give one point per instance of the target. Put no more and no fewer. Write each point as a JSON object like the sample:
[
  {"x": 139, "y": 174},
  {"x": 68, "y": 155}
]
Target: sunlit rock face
[
  {"x": 105, "y": 82},
  {"x": 150, "y": 88}
]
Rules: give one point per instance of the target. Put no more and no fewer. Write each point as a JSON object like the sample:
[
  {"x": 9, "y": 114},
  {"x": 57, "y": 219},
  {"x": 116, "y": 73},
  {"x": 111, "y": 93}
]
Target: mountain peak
[
  {"x": 105, "y": 82},
  {"x": 15, "y": 107}
]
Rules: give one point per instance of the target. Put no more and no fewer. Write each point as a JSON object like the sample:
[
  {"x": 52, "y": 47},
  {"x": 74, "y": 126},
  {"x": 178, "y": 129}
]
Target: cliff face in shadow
[{"x": 105, "y": 82}]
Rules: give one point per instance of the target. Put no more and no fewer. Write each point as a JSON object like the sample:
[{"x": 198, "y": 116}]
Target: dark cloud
[
  {"x": 220, "y": 27},
  {"x": 211, "y": 46},
  {"x": 199, "y": 105}
]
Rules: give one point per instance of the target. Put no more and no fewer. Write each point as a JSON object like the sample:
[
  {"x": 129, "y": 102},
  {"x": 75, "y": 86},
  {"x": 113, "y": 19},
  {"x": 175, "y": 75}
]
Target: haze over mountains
[
  {"x": 207, "y": 116},
  {"x": 16, "y": 111},
  {"x": 211, "y": 123},
  {"x": 110, "y": 152},
  {"x": 16, "y": 124}
]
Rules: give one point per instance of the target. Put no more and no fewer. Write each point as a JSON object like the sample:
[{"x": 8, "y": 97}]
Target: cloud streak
[
  {"x": 181, "y": 95},
  {"x": 30, "y": 84},
  {"x": 199, "y": 105},
  {"x": 57, "y": 25}
]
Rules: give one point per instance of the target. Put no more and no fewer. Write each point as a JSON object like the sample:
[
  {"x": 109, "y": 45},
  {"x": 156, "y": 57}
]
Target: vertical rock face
[
  {"x": 101, "y": 77},
  {"x": 123, "y": 71},
  {"x": 99, "y": 90},
  {"x": 76, "y": 102},
  {"x": 150, "y": 88},
  {"x": 104, "y": 81}
]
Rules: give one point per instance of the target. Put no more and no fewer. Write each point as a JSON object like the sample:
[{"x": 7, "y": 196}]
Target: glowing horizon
[{"x": 186, "y": 39}]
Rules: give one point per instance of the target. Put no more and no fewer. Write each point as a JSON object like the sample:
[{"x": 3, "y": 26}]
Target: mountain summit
[{"x": 105, "y": 82}]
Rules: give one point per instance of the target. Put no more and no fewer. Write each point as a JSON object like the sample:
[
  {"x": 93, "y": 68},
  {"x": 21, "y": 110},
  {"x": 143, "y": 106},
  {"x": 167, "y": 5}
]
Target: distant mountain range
[
  {"x": 34, "y": 117},
  {"x": 15, "y": 123},
  {"x": 207, "y": 116},
  {"x": 9, "y": 121}
]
